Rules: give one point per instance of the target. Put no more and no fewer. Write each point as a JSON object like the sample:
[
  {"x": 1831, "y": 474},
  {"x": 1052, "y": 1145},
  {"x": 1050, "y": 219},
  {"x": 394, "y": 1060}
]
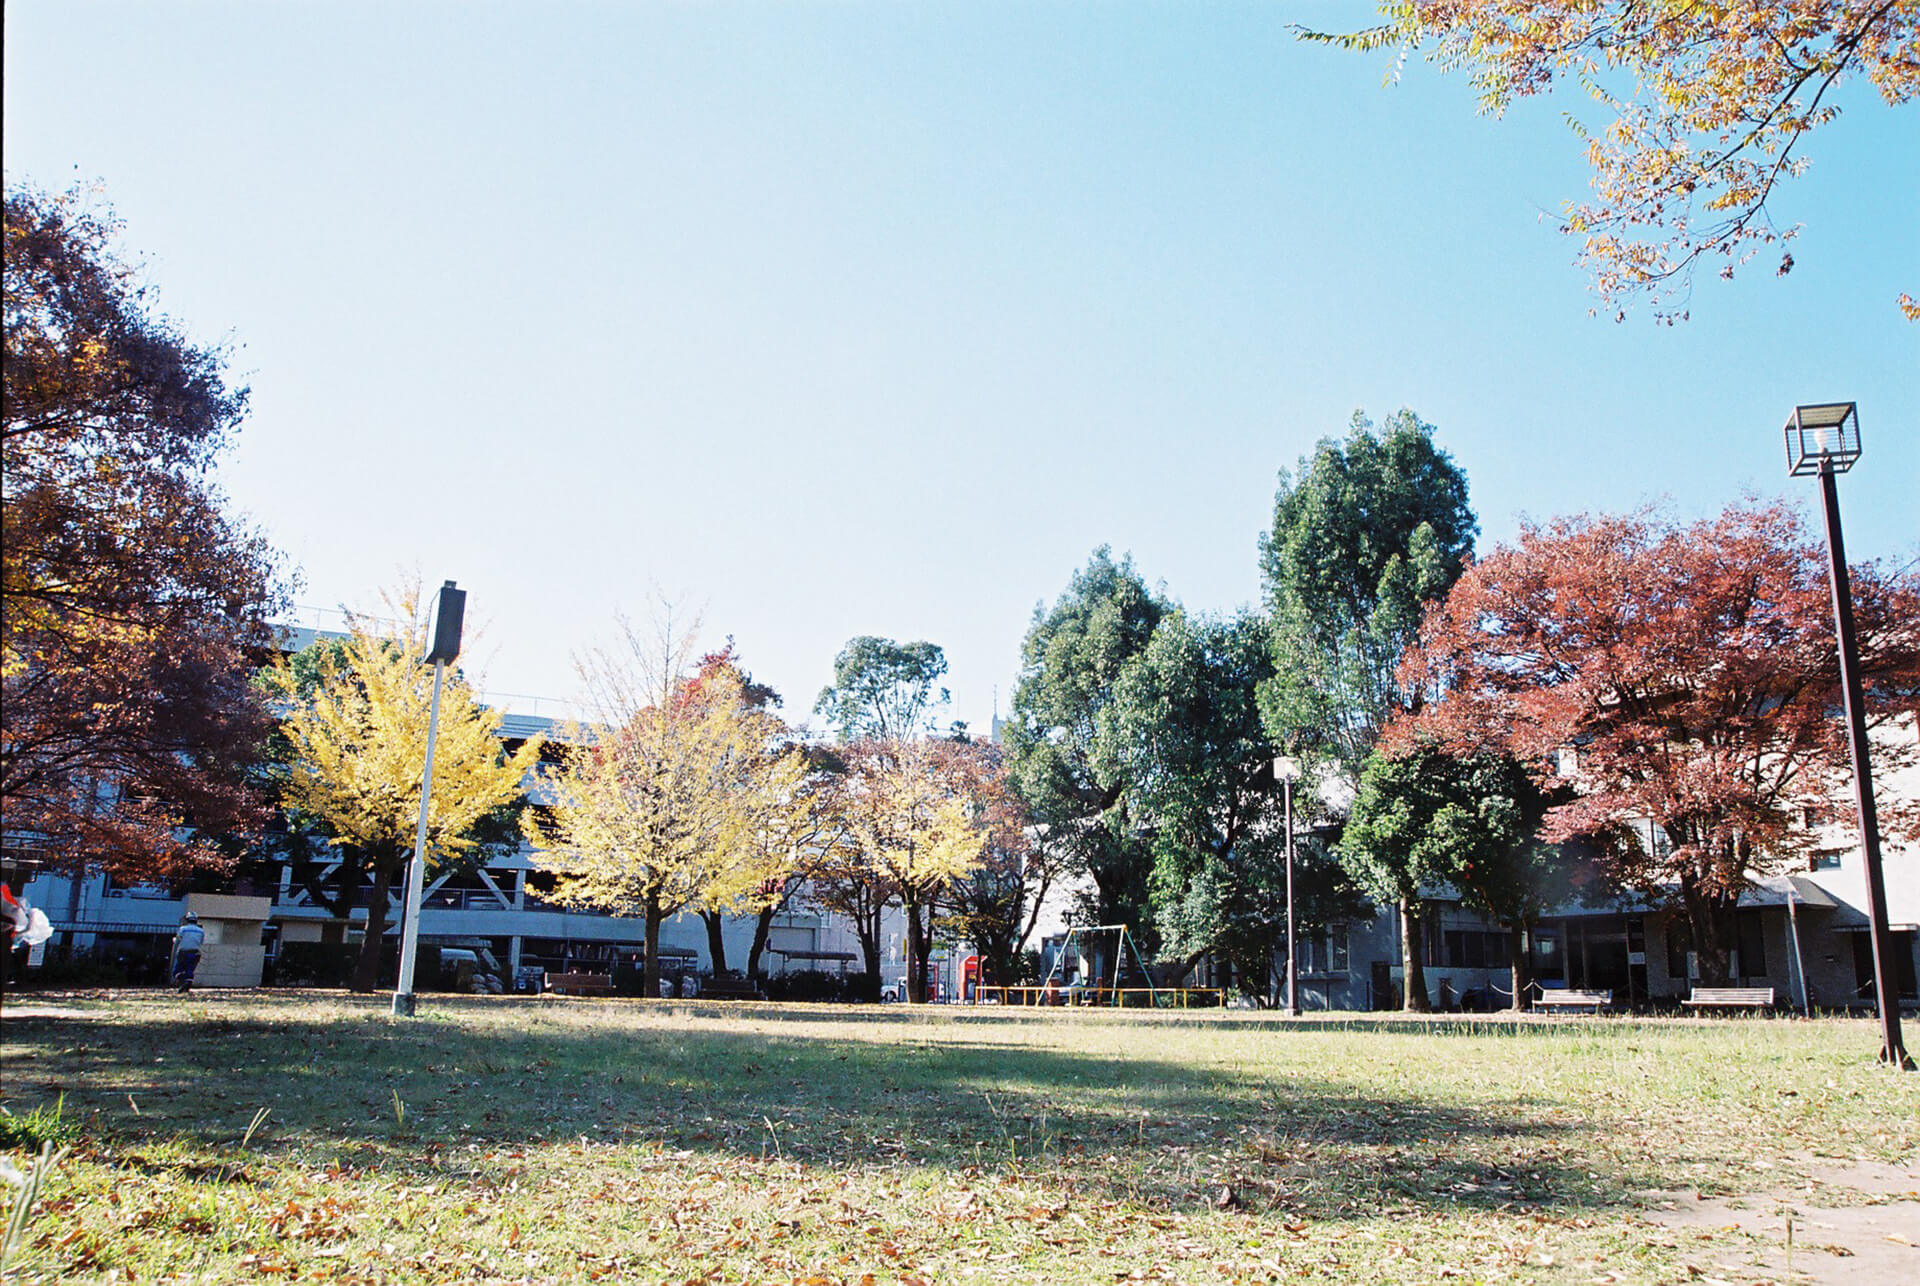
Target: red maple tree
[
  {"x": 1680, "y": 673},
  {"x": 135, "y": 610}
]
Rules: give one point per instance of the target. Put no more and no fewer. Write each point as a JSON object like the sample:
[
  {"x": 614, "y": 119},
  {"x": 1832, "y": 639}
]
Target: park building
[
  {"x": 1803, "y": 933},
  {"x": 503, "y": 906},
  {"x": 109, "y": 931},
  {"x": 123, "y": 931}
]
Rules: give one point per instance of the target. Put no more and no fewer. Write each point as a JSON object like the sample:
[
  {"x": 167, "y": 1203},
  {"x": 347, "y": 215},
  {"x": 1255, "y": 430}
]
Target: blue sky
[{"x": 844, "y": 318}]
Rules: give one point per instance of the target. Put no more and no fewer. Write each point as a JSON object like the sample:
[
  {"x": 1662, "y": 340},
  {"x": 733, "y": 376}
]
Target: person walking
[{"x": 187, "y": 941}]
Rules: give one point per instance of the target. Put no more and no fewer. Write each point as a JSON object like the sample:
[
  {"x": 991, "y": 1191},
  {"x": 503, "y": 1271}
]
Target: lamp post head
[
  {"x": 1286, "y": 768},
  {"x": 1823, "y": 438},
  {"x": 449, "y": 612}
]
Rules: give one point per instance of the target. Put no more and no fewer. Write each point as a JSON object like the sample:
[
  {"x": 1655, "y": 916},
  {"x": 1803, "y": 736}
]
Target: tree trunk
[
  {"x": 923, "y": 952},
  {"x": 650, "y": 964},
  {"x": 716, "y": 940},
  {"x": 916, "y": 968},
  {"x": 926, "y": 960},
  {"x": 1413, "y": 973},
  {"x": 366, "y": 971},
  {"x": 1715, "y": 932},
  {"x": 867, "y": 926},
  {"x": 762, "y": 930},
  {"x": 1522, "y": 968}
]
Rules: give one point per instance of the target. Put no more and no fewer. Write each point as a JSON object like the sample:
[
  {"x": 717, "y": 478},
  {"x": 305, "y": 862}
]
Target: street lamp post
[
  {"x": 1824, "y": 440},
  {"x": 447, "y": 618},
  {"x": 1287, "y": 769}
]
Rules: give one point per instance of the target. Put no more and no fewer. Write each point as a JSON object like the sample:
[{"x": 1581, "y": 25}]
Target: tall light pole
[
  {"x": 1287, "y": 769},
  {"x": 447, "y": 617},
  {"x": 1824, "y": 440}
]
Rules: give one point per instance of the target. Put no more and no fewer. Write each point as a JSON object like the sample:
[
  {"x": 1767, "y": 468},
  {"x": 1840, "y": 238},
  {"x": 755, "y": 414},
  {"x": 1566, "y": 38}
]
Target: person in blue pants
[{"x": 187, "y": 941}]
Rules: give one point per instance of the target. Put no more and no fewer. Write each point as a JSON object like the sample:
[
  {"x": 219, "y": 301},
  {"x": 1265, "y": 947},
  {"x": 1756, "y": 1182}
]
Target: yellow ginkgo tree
[
  {"x": 911, "y": 829},
  {"x": 772, "y": 793},
  {"x": 354, "y": 714},
  {"x": 667, "y": 799}
]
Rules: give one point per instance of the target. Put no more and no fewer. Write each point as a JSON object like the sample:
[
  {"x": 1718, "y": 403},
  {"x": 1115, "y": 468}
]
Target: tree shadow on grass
[
  {"x": 478, "y": 1087},
  {"x": 1504, "y": 1023}
]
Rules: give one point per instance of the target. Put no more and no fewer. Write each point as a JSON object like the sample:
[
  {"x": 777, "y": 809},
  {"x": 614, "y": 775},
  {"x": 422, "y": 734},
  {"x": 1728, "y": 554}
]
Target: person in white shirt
[{"x": 187, "y": 941}]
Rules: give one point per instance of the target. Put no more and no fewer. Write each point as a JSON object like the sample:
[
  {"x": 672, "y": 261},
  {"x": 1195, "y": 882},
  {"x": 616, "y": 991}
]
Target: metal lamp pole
[
  {"x": 1825, "y": 440},
  {"x": 446, "y": 646},
  {"x": 1287, "y": 769}
]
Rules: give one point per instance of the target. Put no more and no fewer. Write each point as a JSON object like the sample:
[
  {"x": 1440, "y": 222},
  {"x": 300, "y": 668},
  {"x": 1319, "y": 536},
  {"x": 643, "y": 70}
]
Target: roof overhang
[{"x": 1780, "y": 890}]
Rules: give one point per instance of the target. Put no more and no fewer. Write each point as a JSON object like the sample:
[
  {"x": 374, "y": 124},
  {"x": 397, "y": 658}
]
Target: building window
[
  {"x": 1338, "y": 960},
  {"x": 1824, "y": 860},
  {"x": 1326, "y": 951},
  {"x": 1477, "y": 949}
]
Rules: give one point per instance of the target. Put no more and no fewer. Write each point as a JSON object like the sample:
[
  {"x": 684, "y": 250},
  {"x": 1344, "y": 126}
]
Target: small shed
[{"x": 233, "y": 955}]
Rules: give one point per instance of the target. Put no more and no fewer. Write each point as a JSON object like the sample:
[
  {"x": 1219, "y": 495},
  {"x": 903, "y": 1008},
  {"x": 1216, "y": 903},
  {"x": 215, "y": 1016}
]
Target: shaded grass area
[{"x": 549, "y": 1140}]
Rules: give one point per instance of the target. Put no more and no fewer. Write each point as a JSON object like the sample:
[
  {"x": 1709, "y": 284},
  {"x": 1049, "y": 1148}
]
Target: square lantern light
[{"x": 1823, "y": 439}]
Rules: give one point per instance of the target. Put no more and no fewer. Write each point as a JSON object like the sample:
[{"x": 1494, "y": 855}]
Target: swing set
[{"x": 1099, "y": 991}]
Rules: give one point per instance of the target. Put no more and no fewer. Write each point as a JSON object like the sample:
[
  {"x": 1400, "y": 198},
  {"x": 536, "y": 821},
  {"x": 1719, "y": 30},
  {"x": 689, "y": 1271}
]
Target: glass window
[
  {"x": 1337, "y": 958},
  {"x": 1479, "y": 949}
]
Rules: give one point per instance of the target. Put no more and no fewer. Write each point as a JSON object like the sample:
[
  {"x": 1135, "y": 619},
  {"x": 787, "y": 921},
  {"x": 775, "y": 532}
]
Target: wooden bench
[
  {"x": 729, "y": 989},
  {"x": 580, "y": 984},
  {"x": 1730, "y": 998},
  {"x": 1568, "y": 998}
]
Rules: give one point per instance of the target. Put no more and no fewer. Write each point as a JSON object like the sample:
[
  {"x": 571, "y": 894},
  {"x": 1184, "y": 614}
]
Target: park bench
[
  {"x": 580, "y": 984},
  {"x": 1730, "y": 998},
  {"x": 1568, "y": 998},
  {"x": 729, "y": 989}
]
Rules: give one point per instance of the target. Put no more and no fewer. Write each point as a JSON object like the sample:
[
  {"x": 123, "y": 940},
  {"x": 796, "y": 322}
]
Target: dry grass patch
[{"x": 551, "y": 1140}]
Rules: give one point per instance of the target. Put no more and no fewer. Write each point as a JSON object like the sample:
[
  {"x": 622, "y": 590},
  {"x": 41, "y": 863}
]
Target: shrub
[
  {"x": 314, "y": 964},
  {"x": 811, "y": 985}
]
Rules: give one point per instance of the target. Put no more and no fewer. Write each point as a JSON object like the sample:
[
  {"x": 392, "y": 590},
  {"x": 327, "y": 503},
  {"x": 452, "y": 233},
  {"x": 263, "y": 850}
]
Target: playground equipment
[
  {"x": 1096, "y": 936},
  {"x": 1099, "y": 942}
]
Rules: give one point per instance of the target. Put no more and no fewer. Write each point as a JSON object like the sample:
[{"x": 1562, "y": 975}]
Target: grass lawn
[{"x": 517, "y": 1139}]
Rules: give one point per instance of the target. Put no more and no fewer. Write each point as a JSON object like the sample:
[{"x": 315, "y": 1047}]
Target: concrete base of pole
[{"x": 403, "y": 1004}]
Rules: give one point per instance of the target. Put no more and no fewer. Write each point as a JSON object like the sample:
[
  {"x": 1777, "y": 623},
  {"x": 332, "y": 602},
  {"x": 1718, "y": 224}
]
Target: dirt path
[
  {"x": 1857, "y": 1223},
  {"x": 39, "y": 1011}
]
